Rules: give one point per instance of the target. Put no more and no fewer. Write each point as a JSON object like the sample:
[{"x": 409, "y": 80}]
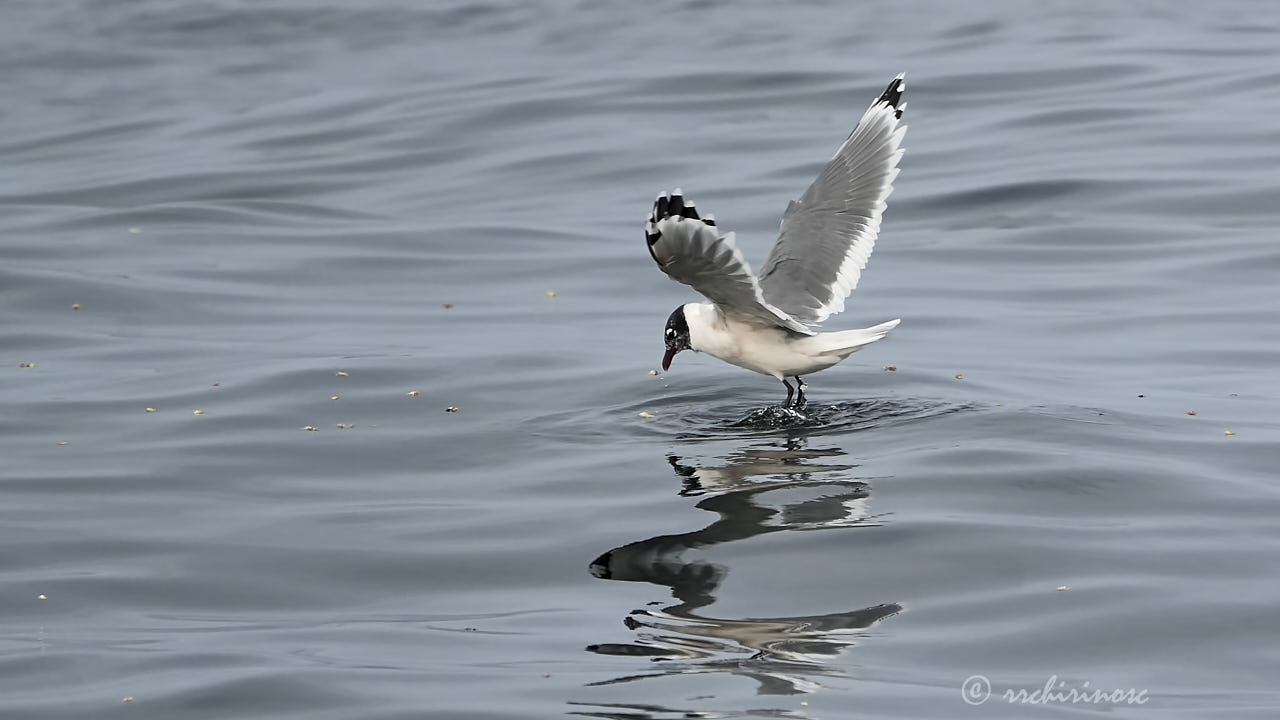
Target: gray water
[{"x": 249, "y": 209}]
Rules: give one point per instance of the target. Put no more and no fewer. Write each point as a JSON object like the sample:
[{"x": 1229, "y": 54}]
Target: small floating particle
[
  {"x": 341, "y": 373},
  {"x": 26, "y": 365},
  {"x": 546, "y": 675},
  {"x": 63, "y": 442},
  {"x": 1191, "y": 412},
  {"x": 345, "y": 426},
  {"x": 217, "y": 384},
  {"x": 468, "y": 629},
  {"x": 891, "y": 368},
  {"x": 42, "y": 596},
  {"x": 959, "y": 376},
  {"x": 151, "y": 409},
  {"x": 804, "y": 703},
  {"x": 1228, "y": 432},
  {"x": 653, "y": 372},
  {"x": 1063, "y": 588},
  {"x": 448, "y": 306},
  {"x": 1141, "y": 395},
  {"x": 127, "y": 699},
  {"x": 333, "y": 397},
  {"x": 135, "y": 230},
  {"x": 310, "y": 428},
  {"x": 1235, "y": 394},
  {"x": 75, "y": 306},
  {"x": 414, "y": 393},
  {"x": 646, "y": 414},
  {"x": 197, "y": 412},
  {"x": 452, "y": 408},
  {"x": 551, "y": 293}
]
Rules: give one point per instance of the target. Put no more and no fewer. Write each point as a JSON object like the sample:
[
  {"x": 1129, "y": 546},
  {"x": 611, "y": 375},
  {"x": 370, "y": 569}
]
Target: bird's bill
[{"x": 666, "y": 359}]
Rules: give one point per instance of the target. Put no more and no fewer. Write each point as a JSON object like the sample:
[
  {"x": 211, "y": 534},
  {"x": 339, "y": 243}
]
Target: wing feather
[
  {"x": 828, "y": 234},
  {"x": 689, "y": 249}
]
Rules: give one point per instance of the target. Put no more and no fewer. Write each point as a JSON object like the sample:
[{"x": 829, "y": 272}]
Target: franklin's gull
[{"x": 766, "y": 323}]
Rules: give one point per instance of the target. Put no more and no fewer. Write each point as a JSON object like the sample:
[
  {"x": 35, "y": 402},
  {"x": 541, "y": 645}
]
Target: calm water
[{"x": 306, "y": 214}]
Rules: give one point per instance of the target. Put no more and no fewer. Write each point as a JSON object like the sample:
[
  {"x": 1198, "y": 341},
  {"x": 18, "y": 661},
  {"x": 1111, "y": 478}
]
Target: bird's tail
[{"x": 847, "y": 342}]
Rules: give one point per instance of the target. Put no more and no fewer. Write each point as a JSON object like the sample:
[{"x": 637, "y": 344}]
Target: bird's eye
[{"x": 671, "y": 331}]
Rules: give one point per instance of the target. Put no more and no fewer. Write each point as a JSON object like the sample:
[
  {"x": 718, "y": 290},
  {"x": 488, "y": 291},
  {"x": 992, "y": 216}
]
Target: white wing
[
  {"x": 688, "y": 248},
  {"x": 827, "y": 235}
]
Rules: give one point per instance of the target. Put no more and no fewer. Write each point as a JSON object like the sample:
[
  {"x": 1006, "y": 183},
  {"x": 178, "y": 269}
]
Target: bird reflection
[{"x": 757, "y": 490}]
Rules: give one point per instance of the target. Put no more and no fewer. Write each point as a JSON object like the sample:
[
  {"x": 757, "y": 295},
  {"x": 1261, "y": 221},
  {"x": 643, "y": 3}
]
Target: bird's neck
[{"x": 707, "y": 326}]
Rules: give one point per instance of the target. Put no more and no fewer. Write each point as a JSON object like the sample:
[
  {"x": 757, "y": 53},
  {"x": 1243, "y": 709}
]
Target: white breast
[{"x": 751, "y": 344}]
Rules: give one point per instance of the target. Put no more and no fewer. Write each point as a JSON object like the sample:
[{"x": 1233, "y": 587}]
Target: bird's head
[{"x": 676, "y": 336}]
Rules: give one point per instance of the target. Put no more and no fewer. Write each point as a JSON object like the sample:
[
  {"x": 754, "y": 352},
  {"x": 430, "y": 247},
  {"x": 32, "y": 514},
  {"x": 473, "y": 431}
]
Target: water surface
[{"x": 251, "y": 252}]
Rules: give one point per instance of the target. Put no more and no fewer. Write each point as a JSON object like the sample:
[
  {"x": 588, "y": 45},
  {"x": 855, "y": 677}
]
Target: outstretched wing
[
  {"x": 827, "y": 235},
  {"x": 688, "y": 248}
]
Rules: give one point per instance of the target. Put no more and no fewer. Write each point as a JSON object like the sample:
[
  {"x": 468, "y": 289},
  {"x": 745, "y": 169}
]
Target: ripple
[
  {"x": 688, "y": 419},
  {"x": 814, "y": 419}
]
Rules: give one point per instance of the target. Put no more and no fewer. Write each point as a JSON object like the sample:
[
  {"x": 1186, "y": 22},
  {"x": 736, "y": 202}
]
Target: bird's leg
[
  {"x": 800, "y": 398},
  {"x": 790, "y": 390}
]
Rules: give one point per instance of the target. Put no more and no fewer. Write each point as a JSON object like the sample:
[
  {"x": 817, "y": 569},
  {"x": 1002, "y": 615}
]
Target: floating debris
[
  {"x": 63, "y": 442},
  {"x": 1235, "y": 394},
  {"x": 341, "y": 373},
  {"x": 551, "y": 294},
  {"x": 891, "y": 368},
  {"x": 26, "y": 365},
  {"x": 1228, "y": 433},
  {"x": 546, "y": 675},
  {"x": 959, "y": 376},
  {"x": 197, "y": 412},
  {"x": 653, "y": 372},
  {"x": 151, "y": 409},
  {"x": 448, "y": 306},
  {"x": 1191, "y": 412},
  {"x": 1063, "y": 588},
  {"x": 468, "y": 629},
  {"x": 452, "y": 408},
  {"x": 345, "y": 426},
  {"x": 135, "y": 230},
  {"x": 310, "y": 428},
  {"x": 414, "y": 393},
  {"x": 646, "y": 414},
  {"x": 1141, "y": 395},
  {"x": 217, "y": 384},
  {"x": 333, "y": 397},
  {"x": 127, "y": 698},
  {"x": 42, "y": 596},
  {"x": 75, "y": 306}
]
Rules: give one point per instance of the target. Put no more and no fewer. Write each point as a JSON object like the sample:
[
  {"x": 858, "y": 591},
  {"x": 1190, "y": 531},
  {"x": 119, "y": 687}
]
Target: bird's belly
[
  {"x": 785, "y": 363},
  {"x": 769, "y": 353}
]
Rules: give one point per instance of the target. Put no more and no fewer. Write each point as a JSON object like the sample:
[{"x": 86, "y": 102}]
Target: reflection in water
[{"x": 758, "y": 490}]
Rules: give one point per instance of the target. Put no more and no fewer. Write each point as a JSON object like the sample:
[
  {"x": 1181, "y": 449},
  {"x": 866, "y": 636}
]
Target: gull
[{"x": 766, "y": 322}]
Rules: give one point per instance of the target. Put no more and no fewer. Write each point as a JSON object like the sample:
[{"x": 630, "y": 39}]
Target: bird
[{"x": 767, "y": 322}]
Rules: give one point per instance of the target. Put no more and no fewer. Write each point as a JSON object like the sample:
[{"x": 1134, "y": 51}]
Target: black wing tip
[
  {"x": 892, "y": 95},
  {"x": 671, "y": 205}
]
